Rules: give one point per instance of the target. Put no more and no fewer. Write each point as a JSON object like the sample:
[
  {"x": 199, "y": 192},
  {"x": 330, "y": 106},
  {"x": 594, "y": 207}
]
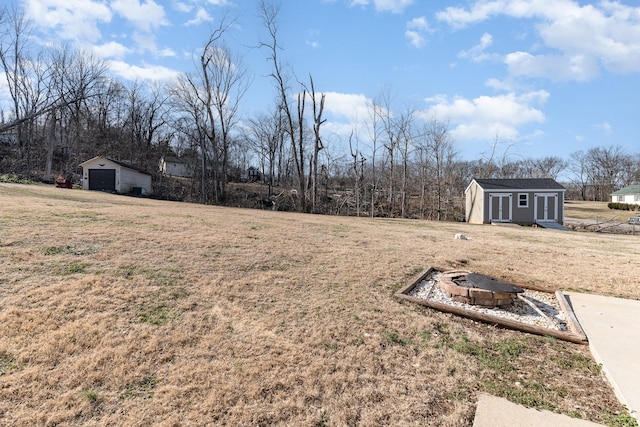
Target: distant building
[
  {"x": 519, "y": 201},
  {"x": 113, "y": 176},
  {"x": 173, "y": 166},
  {"x": 629, "y": 194},
  {"x": 254, "y": 174},
  {"x": 8, "y": 138}
]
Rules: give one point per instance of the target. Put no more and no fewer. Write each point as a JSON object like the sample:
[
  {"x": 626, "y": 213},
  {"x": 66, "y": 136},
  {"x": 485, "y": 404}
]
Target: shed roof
[
  {"x": 629, "y": 189},
  {"x": 520, "y": 184},
  {"x": 118, "y": 162}
]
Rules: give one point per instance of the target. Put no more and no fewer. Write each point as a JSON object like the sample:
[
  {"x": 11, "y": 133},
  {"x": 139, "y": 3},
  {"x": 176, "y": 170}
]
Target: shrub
[{"x": 623, "y": 206}]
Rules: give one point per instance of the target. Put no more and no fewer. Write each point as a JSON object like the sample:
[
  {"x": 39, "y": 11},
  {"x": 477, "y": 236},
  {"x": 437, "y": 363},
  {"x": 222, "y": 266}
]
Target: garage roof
[{"x": 118, "y": 162}]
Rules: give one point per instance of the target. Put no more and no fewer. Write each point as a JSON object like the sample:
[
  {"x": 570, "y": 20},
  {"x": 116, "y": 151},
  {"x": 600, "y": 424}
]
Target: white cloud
[
  {"x": 477, "y": 53},
  {"x": 146, "y": 42},
  {"x": 144, "y": 16},
  {"x": 310, "y": 41},
  {"x": 581, "y": 39},
  {"x": 416, "y": 28},
  {"x": 5, "y": 96},
  {"x": 70, "y": 19},
  {"x": 394, "y": 6},
  {"x": 604, "y": 127},
  {"x": 182, "y": 7},
  {"x": 553, "y": 67},
  {"x": 486, "y": 117},
  {"x": 354, "y": 107},
  {"x": 146, "y": 72},
  {"x": 111, "y": 50},
  {"x": 201, "y": 16},
  {"x": 415, "y": 38},
  {"x": 501, "y": 85},
  {"x": 420, "y": 23}
]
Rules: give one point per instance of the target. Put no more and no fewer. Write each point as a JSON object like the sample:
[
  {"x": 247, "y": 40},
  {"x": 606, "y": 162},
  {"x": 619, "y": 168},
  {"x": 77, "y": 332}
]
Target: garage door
[{"x": 102, "y": 179}]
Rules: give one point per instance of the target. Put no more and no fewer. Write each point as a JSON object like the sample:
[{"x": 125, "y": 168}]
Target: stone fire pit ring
[{"x": 477, "y": 289}]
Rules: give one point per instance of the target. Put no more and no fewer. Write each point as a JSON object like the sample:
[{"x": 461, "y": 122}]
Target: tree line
[{"x": 65, "y": 108}]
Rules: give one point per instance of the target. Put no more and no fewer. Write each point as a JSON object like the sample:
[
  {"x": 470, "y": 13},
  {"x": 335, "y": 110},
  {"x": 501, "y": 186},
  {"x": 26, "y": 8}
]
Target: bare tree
[
  {"x": 440, "y": 155},
  {"x": 376, "y": 112},
  {"x": 294, "y": 124},
  {"x": 209, "y": 100},
  {"x": 75, "y": 77},
  {"x": 190, "y": 120},
  {"x": 318, "y": 108},
  {"x": 357, "y": 166},
  {"x": 225, "y": 84},
  {"x": 23, "y": 81},
  {"x": 267, "y": 137}
]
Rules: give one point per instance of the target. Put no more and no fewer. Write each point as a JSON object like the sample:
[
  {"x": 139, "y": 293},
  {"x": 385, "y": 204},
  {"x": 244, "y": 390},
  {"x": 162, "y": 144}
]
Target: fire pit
[
  {"x": 527, "y": 308},
  {"x": 478, "y": 289}
]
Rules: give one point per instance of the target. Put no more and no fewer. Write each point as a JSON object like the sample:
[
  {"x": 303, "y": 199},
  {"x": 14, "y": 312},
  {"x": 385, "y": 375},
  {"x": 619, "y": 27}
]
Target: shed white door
[
  {"x": 545, "y": 206},
  {"x": 499, "y": 207}
]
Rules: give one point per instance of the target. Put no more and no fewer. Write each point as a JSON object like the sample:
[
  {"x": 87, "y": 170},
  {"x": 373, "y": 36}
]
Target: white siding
[{"x": 130, "y": 179}]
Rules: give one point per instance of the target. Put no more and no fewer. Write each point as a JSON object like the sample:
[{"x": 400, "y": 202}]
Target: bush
[
  {"x": 623, "y": 206},
  {"x": 13, "y": 179}
]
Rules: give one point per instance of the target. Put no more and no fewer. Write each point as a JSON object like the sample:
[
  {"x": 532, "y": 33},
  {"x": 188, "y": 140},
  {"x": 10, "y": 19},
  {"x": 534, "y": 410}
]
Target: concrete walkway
[
  {"x": 496, "y": 412},
  {"x": 612, "y": 326}
]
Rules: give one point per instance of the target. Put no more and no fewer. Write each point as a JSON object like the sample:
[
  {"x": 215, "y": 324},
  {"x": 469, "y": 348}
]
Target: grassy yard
[
  {"x": 594, "y": 211},
  {"x": 136, "y": 312}
]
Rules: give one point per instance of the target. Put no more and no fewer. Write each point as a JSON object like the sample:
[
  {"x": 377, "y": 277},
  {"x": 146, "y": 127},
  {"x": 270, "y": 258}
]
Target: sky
[{"x": 530, "y": 78}]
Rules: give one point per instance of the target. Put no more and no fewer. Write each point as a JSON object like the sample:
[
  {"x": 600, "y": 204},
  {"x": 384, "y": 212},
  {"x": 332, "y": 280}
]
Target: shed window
[{"x": 523, "y": 200}]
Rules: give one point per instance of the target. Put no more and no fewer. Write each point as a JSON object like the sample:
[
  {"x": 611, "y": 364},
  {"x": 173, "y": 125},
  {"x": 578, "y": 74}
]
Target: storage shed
[
  {"x": 519, "y": 201},
  {"x": 105, "y": 174}
]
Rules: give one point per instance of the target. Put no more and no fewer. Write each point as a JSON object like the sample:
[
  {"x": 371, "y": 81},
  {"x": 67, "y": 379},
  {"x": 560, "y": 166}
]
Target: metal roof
[{"x": 629, "y": 189}]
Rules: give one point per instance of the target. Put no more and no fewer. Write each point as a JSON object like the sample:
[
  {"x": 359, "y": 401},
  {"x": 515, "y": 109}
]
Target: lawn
[
  {"x": 594, "y": 211},
  {"x": 126, "y": 311}
]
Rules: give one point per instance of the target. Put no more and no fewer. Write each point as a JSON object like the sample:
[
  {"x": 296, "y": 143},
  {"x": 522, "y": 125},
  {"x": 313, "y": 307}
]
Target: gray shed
[{"x": 519, "y": 201}]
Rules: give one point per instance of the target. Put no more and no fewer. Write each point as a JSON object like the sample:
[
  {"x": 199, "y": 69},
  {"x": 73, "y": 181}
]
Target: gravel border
[{"x": 521, "y": 311}]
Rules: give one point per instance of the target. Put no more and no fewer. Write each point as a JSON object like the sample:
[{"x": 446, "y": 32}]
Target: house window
[
  {"x": 637, "y": 198},
  {"x": 523, "y": 200},
  {"x": 620, "y": 199}
]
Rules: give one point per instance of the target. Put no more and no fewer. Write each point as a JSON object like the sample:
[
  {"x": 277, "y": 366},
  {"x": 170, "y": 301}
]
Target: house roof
[
  {"x": 520, "y": 184},
  {"x": 629, "y": 189},
  {"x": 123, "y": 164},
  {"x": 171, "y": 159}
]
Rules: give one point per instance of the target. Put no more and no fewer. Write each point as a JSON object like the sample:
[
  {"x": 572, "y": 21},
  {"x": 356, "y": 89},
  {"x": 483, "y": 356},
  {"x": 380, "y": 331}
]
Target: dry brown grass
[
  {"x": 123, "y": 311},
  {"x": 594, "y": 211}
]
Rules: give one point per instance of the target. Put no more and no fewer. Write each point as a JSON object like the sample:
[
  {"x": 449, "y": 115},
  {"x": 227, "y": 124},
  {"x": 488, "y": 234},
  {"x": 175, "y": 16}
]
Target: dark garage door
[{"x": 102, "y": 179}]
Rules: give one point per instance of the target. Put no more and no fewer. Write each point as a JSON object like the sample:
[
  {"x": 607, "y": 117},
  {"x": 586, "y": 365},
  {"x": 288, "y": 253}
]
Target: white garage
[{"x": 113, "y": 176}]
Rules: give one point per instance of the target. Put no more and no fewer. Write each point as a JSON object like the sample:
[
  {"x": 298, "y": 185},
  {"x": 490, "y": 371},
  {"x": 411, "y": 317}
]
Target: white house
[
  {"x": 104, "y": 174},
  {"x": 629, "y": 194},
  {"x": 173, "y": 166}
]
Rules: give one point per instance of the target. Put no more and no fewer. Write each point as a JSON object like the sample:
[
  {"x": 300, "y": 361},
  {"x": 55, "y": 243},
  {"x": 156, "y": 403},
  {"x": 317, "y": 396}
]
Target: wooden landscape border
[{"x": 574, "y": 333}]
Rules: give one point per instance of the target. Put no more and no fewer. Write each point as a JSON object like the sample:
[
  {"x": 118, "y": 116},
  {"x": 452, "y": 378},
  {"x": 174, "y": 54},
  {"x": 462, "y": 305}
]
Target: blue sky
[{"x": 542, "y": 78}]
